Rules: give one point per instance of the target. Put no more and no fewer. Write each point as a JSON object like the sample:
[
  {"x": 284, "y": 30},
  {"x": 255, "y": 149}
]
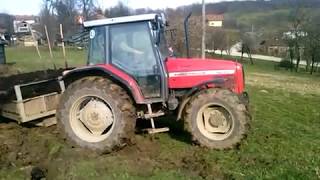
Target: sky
[{"x": 32, "y": 7}]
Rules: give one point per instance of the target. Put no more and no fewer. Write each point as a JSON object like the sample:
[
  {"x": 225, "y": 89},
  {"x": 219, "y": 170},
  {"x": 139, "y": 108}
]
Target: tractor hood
[
  {"x": 188, "y": 72},
  {"x": 186, "y": 65}
]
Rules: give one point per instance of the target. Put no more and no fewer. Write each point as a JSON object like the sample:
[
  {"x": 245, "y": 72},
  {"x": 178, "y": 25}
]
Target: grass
[
  {"x": 26, "y": 59},
  {"x": 283, "y": 143}
]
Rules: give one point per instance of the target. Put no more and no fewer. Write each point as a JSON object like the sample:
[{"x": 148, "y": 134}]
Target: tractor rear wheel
[
  {"x": 216, "y": 118},
  {"x": 96, "y": 114}
]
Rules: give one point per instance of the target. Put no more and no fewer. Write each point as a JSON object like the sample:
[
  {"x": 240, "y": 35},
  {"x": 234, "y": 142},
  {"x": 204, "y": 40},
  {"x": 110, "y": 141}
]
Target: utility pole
[{"x": 203, "y": 47}]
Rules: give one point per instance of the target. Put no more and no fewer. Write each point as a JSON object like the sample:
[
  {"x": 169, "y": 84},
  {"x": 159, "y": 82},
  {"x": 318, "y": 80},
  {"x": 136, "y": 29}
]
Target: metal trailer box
[{"x": 26, "y": 110}]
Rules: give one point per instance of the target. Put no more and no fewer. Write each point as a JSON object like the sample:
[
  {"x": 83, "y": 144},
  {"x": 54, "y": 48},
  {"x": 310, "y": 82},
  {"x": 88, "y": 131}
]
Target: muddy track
[{"x": 24, "y": 148}]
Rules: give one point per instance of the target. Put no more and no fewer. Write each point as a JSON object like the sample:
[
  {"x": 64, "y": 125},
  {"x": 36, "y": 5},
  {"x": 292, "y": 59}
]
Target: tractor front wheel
[
  {"x": 96, "y": 114},
  {"x": 216, "y": 118}
]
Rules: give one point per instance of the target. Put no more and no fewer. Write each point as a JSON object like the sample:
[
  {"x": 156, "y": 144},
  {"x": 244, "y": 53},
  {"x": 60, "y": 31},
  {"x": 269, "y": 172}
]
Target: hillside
[{"x": 263, "y": 16}]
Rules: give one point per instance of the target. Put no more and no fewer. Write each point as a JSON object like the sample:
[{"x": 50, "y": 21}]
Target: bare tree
[
  {"x": 66, "y": 12},
  {"x": 88, "y": 7},
  {"x": 249, "y": 44},
  {"x": 291, "y": 50},
  {"x": 312, "y": 42},
  {"x": 119, "y": 10},
  {"x": 217, "y": 40},
  {"x": 296, "y": 20},
  {"x": 47, "y": 18}
]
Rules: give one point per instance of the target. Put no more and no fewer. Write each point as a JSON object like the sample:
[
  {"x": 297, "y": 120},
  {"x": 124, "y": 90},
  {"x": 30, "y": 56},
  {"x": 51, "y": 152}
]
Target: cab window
[{"x": 97, "y": 53}]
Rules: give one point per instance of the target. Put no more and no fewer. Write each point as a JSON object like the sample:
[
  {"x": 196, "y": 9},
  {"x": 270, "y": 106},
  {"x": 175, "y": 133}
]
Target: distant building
[
  {"x": 293, "y": 35},
  {"x": 22, "y": 24},
  {"x": 215, "y": 20}
]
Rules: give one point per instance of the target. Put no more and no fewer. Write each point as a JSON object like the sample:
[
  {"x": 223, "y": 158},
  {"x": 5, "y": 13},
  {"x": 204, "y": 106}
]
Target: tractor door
[{"x": 132, "y": 49}]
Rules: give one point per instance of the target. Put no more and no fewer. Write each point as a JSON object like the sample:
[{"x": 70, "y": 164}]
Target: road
[{"x": 235, "y": 51}]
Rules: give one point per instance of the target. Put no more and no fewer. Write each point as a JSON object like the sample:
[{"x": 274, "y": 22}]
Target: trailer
[{"x": 34, "y": 101}]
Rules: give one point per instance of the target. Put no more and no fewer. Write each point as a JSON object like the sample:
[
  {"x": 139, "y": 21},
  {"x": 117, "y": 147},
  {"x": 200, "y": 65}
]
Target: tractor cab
[{"x": 135, "y": 45}]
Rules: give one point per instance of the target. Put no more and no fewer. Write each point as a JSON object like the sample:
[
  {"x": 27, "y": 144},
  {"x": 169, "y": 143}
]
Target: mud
[
  {"x": 31, "y": 149},
  {"x": 7, "y": 83}
]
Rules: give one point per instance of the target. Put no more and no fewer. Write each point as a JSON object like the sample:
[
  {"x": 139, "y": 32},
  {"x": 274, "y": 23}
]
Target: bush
[{"x": 286, "y": 64}]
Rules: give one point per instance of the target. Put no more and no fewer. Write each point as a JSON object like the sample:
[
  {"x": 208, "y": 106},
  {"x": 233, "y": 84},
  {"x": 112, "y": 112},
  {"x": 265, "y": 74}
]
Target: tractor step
[
  {"x": 157, "y": 130},
  {"x": 154, "y": 115},
  {"x": 150, "y": 116}
]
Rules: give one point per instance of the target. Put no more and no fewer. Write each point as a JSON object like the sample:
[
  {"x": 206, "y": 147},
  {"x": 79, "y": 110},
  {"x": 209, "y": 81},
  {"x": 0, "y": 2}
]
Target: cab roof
[{"x": 119, "y": 20}]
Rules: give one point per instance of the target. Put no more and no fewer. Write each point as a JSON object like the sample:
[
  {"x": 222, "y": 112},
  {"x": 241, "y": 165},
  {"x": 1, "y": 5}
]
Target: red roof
[
  {"x": 215, "y": 17},
  {"x": 24, "y": 17}
]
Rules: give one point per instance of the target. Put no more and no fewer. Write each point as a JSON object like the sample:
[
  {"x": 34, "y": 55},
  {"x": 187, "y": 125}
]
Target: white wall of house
[{"x": 215, "y": 23}]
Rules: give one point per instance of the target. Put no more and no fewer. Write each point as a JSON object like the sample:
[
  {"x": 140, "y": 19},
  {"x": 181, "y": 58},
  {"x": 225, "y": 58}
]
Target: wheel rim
[
  {"x": 91, "y": 118},
  {"x": 215, "y": 122}
]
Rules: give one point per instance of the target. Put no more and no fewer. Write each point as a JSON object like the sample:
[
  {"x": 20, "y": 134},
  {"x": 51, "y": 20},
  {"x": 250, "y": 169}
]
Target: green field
[
  {"x": 27, "y": 59},
  {"x": 283, "y": 143}
]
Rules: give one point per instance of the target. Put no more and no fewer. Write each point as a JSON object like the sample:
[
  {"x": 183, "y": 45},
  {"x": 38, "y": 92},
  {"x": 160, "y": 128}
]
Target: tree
[
  {"x": 55, "y": 12},
  {"x": 66, "y": 12},
  {"x": 312, "y": 42},
  {"x": 249, "y": 43},
  {"x": 117, "y": 11},
  {"x": 217, "y": 40},
  {"x": 47, "y": 18},
  {"x": 290, "y": 42},
  {"x": 296, "y": 20},
  {"x": 88, "y": 8}
]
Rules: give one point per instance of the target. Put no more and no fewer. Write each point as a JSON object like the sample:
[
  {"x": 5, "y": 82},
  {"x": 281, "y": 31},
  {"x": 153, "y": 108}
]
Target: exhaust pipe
[{"x": 186, "y": 28}]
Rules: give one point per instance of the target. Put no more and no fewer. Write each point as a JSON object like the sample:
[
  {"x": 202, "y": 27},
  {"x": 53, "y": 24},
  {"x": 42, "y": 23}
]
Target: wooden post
[
  {"x": 38, "y": 51},
  {"x": 36, "y": 43},
  {"x": 63, "y": 48},
  {"x": 203, "y": 47},
  {"x": 49, "y": 45}
]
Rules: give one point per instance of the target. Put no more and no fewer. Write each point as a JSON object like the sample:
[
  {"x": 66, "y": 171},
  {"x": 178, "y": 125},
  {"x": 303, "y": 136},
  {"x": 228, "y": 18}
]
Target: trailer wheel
[
  {"x": 216, "y": 119},
  {"x": 96, "y": 114}
]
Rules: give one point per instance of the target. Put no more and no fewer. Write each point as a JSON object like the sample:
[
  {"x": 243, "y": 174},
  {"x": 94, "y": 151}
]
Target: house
[
  {"x": 23, "y": 23},
  {"x": 293, "y": 35},
  {"x": 215, "y": 20}
]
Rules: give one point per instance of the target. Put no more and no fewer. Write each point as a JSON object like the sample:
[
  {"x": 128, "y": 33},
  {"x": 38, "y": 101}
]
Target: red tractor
[{"x": 131, "y": 75}]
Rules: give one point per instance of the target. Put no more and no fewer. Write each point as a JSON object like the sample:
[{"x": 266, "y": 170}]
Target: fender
[
  {"x": 123, "y": 79},
  {"x": 219, "y": 82}
]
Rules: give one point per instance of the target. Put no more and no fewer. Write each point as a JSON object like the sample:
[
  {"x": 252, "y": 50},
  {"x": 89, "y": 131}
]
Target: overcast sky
[{"x": 28, "y": 7}]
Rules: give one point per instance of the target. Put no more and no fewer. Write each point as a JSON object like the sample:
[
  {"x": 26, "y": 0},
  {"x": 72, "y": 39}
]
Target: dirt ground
[{"x": 24, "y": 148}]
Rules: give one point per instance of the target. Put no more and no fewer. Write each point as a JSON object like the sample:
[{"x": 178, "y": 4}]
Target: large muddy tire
[
  {"x": 216, "y": 119},
  {"x": 96, "y": 114}
]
